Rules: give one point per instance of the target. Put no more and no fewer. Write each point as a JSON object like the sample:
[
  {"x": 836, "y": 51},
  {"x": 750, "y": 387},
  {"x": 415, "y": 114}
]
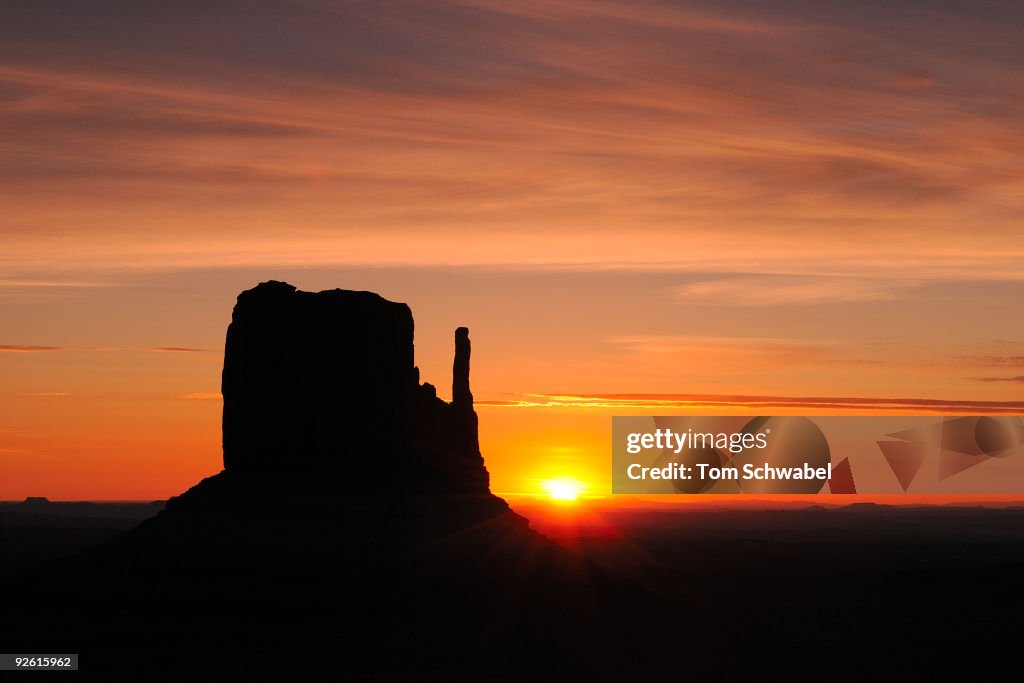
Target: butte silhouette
[{"x": 352, "y": 528}]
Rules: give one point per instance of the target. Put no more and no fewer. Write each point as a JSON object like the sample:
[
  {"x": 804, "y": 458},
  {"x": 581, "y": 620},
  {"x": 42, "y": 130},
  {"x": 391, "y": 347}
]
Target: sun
[{"x": 562, "y": 489}]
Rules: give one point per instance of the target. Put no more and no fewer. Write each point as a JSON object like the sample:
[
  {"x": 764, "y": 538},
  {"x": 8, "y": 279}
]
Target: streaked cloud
[
  {"x": 699, "y": 401},
  {"x": 1019, "y": 379},
  {"x": 8, "y": 283},
  {"x": 782, "y": 290},
  {"x": 920, "y": 80},
  {"x": 729, "y": 356},
  {"x": 995, "y": 361},
  {"x": 180, "y": 349},
  {"x": 875, "y": 142},
  {"x": 201, "y": 396},
  {"x": 20, "y": 348}
]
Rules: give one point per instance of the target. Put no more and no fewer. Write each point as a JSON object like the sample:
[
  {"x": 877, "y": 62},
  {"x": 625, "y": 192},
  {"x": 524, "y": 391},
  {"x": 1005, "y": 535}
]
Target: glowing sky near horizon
[{"x": 792, "y": 199}]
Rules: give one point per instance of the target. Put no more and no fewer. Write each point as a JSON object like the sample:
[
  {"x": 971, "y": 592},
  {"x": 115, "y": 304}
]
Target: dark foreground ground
[
  {"x": 35, "y": 532},
  {"x": 695, "y": 593}
]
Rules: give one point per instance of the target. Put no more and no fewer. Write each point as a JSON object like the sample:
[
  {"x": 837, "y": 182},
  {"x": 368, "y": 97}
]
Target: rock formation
[
  {"x": 353, "y": 519},
  {"x": 462, "y": 398},
  {"x": 326, "y": 383}
]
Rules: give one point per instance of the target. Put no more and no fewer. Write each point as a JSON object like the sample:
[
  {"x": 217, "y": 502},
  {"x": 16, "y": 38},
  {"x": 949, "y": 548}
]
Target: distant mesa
[
  {"x": 328, "y": 433},
  {"x": 37, "y": 500},
  {"x": 353, "y": 512},
  {"x": 326, "y": 383}
]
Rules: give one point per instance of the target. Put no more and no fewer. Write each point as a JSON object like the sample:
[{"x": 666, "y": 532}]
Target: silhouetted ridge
[
  {"x": 326, "y": 382},
  {"x": 353, "y": 517}
]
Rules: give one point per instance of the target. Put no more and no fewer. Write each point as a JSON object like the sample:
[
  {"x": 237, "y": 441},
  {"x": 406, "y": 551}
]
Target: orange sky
[{"x": 799, "y": 199}]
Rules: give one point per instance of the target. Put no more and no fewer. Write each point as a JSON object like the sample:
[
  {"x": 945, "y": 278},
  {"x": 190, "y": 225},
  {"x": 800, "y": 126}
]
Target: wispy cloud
[
  {"x": 201, "y": 396},
  {"x": 1019, "y": 379},
  {"x": 781, "y": 290},
  {"x": 914, "y": 80},
  {"x": 995, "y": 361},
  {"x": 683, "y": 342},
  {"x": 724, "y": 355},
  {"x": 856, "y": 140},
  {"x": 28, "y": 283},
  {"x": 699, "y": 401},
  {"x": 21, "y": 348}
]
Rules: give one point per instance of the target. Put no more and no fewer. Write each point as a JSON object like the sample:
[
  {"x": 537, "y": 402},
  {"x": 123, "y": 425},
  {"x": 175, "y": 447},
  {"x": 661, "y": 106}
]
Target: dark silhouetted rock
[
  {"x": 326, "y": 383},
  {"x": 462, "y": 398},
  {"x": 353, "y": 520}
]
